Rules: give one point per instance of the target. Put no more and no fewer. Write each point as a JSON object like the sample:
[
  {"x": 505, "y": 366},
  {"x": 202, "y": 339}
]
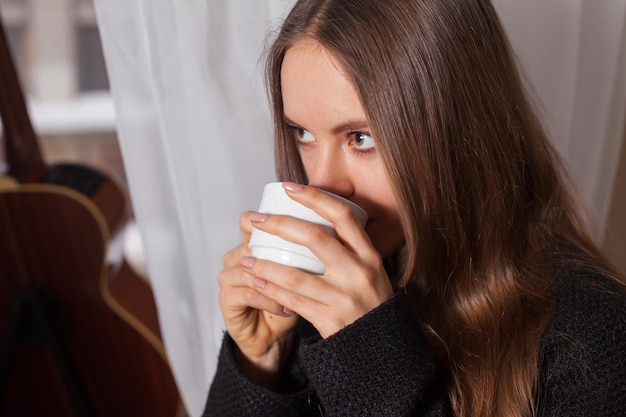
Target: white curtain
[
  {"x": 574, "y": 55},
  {"x": 195, "y": 137},
  {"x": 195, "y": 133}
]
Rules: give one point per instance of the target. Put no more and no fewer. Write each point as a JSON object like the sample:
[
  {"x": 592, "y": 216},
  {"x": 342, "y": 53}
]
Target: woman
[{"x": 473, "y": 290}]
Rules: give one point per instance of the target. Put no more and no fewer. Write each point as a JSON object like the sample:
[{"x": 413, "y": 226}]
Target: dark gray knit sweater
[{"x": 381, "y": 365}]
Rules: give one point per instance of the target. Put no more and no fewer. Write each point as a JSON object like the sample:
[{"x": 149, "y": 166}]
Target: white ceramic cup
[{"x": 271, "y": 247}]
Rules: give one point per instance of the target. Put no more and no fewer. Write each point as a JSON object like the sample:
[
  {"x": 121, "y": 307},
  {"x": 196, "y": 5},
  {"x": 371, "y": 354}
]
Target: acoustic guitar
[{"x": 80, "y": 337}]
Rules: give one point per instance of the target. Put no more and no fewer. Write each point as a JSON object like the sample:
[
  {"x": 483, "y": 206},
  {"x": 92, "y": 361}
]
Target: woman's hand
[
  {"x": 257, "y": 324},
  {"x": 354, "y": 283}
]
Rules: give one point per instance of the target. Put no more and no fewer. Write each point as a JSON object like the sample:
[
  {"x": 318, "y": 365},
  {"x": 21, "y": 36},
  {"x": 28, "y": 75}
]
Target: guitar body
[
  {"x": 53, "y": 244},
  {"x": 79, "y": 337}
]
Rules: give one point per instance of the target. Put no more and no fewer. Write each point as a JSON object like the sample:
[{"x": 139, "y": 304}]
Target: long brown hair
[{"x": 482, "y": 199}]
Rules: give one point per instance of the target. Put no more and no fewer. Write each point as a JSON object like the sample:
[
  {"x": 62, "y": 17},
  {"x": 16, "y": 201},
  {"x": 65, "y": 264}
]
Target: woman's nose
[{"x": 331, "y": 174}]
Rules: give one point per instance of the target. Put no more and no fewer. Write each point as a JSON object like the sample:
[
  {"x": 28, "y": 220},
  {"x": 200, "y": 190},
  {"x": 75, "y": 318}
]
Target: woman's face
[{"x": 326, "y": 118}]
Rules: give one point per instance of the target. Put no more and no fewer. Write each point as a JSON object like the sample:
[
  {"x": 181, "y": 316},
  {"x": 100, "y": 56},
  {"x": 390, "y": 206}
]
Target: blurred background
[{"x": 57, "y": 50}]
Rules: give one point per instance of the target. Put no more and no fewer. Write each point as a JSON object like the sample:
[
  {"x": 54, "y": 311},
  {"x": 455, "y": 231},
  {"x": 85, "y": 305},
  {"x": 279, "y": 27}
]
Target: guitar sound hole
[{"x": 83, "y": 179}]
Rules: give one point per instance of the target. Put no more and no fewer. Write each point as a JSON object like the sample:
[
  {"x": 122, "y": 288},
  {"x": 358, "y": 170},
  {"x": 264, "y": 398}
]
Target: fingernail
[
  {"x": 259, "y": 282},
  {"x": 287, "y": 312},
  {"x": 292, "y": 187},
  {"x": 258, "y": 217},
  {"x": 247, "y": 261}
]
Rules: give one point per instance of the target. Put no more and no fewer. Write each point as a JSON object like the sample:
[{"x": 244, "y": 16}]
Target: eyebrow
[{"x": 347, "y": 126}]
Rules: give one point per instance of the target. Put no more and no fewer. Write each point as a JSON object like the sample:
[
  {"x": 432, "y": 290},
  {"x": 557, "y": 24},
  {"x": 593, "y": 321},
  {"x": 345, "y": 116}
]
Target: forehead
[
  {"x": 309, "y": 51},
  {"x": 313, "y": 83}
]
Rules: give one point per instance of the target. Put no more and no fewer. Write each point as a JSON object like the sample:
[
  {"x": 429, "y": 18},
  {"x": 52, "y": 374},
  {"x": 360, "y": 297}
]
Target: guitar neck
[{"x": 22, "y": 153}]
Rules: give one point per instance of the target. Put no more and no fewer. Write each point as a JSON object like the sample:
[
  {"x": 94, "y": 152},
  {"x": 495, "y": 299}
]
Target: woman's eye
[
  {"x": 363, "y": 141},
  {"x": 303, "y": 135}
]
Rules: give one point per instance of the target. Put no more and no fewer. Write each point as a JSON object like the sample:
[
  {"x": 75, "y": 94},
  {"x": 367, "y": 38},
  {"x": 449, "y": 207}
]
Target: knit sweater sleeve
[
  {"x": 233, "y": 395},
  {"x": 583, "y": 371},
  {"x": 379, "y": 365}
]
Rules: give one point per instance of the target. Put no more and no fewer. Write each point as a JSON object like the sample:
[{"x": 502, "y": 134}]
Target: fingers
[
  {"x": 354, "y": 283},
  {"x": 297, "y": 290},
  {"x": 232, "y": 257},
  {"x": 245, "y": 226},
  {"x": 324, "y": 301},
  {"x": 331, "y": 249},
  {"x": 338, "y": 213},
  {"x": 270, "y": 274},
  {"x": 238, "y": 293},
  {"x": 234, "y": 301},
  {"x": 326, "y": 243},
  {"x": 316, "y": 237}
]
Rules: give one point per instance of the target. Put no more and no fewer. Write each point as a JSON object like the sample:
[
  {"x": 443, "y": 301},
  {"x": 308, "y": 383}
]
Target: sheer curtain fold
[
  {"x": 195, "y": 132},
  {"x": 573, "y": 52},
  {"x": 195, "y": 138}
]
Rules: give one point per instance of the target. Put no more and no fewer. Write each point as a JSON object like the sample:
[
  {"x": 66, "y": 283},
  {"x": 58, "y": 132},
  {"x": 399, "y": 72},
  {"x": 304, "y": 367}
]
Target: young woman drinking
[{"x": 474, "y": 288}]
